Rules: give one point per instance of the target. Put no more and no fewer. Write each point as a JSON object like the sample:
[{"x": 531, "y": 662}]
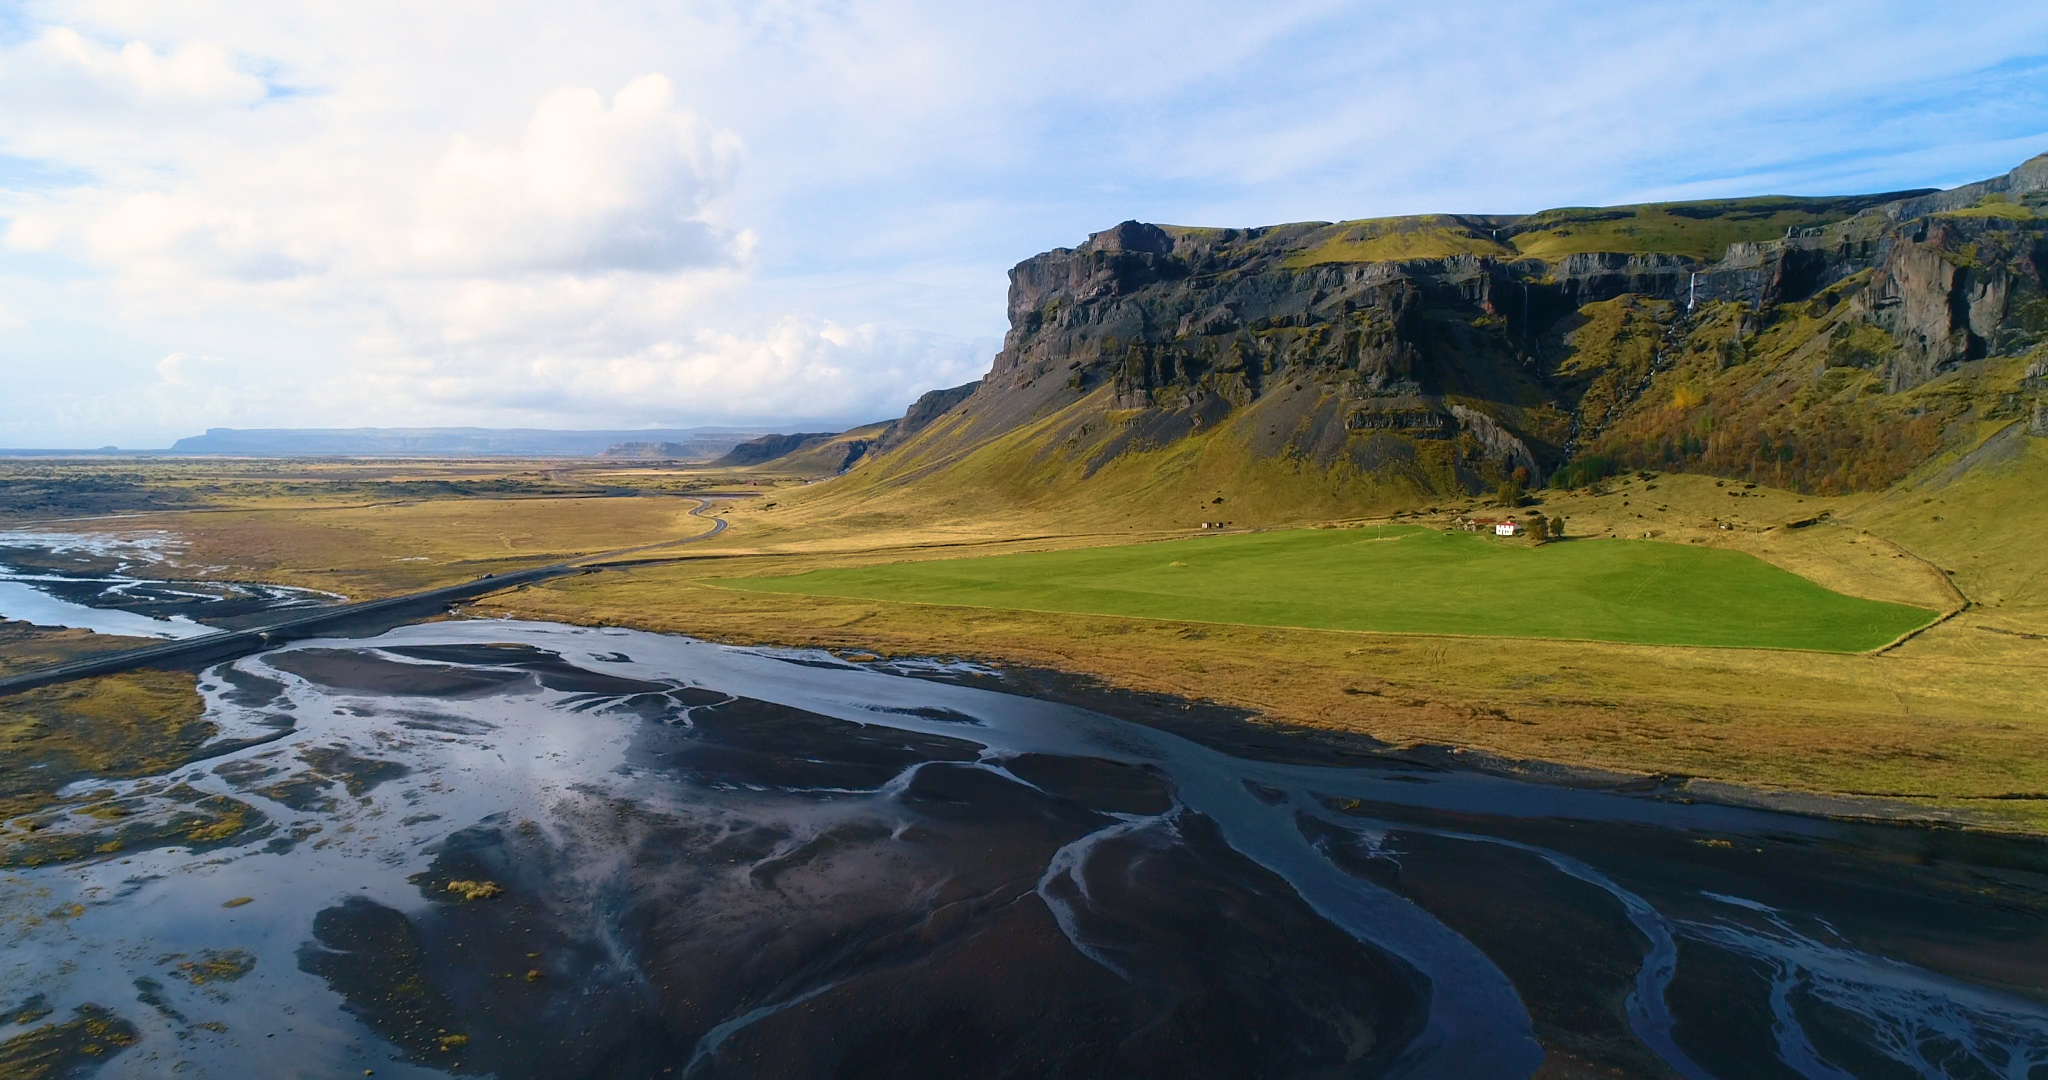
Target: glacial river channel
[
  {"x": 529, "y": 850},
  {"x": 88, "y": 581}
]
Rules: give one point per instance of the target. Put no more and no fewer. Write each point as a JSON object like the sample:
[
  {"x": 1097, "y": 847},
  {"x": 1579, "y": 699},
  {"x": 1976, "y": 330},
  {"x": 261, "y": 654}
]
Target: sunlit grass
[{"x": 1402, "y": 579}]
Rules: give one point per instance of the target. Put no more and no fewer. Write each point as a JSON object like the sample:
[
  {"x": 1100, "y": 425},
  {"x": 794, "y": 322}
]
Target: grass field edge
[{"x": 1934, "y": 618}]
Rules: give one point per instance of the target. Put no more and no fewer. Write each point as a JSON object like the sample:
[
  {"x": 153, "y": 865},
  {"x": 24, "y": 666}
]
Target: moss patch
[
  {"x": 1392, "y": 239},
  {"x": 138, "y": 723},
  {"x": 92, "y": 1036},
  {"x": 1700, "y": 230}
]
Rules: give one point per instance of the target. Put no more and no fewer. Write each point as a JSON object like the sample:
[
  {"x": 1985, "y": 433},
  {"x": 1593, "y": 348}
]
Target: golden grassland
[
  {"x": 368, "y": 551},
  {"x": 24, "y": 646},
  {"x": 368, "y": 529},
  {"x": 346, "y": 535},
  {"x": 1951, "y": 735},
  {"x": 59, "y": 493},
  {"x": 1947, "y": 723}
]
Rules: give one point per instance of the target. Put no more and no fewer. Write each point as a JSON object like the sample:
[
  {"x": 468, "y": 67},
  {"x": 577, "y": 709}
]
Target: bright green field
[{"x": 1401, "y": 579}]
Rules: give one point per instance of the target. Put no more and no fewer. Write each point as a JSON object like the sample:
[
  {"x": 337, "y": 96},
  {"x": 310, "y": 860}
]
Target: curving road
[{"x": 391, "y": 610}]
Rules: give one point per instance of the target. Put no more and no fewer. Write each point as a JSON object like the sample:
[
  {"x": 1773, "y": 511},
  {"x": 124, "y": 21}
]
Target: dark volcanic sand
[{"x": 669, "y": 858}]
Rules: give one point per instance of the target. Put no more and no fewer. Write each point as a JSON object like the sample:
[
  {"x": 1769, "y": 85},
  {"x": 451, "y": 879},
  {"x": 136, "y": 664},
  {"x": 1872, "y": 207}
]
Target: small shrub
[{"x": 1587, "y": 471}]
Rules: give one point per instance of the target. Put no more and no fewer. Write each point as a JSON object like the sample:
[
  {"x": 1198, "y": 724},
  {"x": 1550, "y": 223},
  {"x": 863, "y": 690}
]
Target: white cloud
[
  {"x": 175, "y": 240},
  {"x": 595, "y": 230},
  {"x": 111, "y": 107},
  {"x": 77, "y": 73},
  {"x": 191, "y": 372},
  {"x": 507, "y": 211},
  {"x": 588, "y": 188},
  {"x": 32, "y": 232},
  {"x": 793, "y": 367}
]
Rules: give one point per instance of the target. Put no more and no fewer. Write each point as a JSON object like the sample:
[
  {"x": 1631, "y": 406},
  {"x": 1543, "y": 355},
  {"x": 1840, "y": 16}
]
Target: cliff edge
[{"x": 1797, "y": 341}]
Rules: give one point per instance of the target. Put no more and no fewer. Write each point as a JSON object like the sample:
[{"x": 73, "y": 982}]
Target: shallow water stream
[
  {"x": 88, "y": 581},
  {"x": 530, "y": 850}
]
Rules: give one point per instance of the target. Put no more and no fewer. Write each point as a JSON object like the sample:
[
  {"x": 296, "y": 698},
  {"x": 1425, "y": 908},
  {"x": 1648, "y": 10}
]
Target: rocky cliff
[
  {"x": 770, "y": 447},
  {"x": 1791, "y": 339},
  {"x": 829, "y": 454}
]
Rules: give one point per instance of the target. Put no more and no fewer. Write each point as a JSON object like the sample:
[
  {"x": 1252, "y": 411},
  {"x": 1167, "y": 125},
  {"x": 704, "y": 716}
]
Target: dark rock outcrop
[
  {"x": 927, "y": 408},
  {"x": 1946, "y": 290},
  {"x": 1360, "y": 344},
  {"x": 770, "y": 447}
]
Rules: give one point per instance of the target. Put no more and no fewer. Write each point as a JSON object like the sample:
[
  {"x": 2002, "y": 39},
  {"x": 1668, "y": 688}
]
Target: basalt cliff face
[{"x": 1829, "y": 344}]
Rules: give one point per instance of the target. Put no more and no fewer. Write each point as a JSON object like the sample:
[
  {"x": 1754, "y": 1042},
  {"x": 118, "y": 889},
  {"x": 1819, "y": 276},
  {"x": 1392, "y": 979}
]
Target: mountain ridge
[{"x": 1828, "y": 344}]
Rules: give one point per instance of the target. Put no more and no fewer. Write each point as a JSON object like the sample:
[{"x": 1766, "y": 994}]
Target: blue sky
[{"x": 624, "y": 214}]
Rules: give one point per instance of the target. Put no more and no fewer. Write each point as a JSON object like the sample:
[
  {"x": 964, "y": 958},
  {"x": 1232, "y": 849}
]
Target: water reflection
[
  {"x": 534, "y": 850},
  {"x": 88, "y": 581}
]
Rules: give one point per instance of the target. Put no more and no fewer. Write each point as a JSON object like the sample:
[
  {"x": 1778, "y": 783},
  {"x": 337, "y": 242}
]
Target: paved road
[{"x": 226, "y": 644}]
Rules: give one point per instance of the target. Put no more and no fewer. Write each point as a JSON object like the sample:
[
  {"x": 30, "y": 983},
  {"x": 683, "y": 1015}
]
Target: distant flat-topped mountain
[
  {"x": 670, "y": 451},
  {"x": 703, "y": 442}
]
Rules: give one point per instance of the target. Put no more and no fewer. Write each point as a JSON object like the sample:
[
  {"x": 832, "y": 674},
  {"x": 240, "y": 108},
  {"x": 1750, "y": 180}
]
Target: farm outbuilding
[{"x": 1497, "y": 526}]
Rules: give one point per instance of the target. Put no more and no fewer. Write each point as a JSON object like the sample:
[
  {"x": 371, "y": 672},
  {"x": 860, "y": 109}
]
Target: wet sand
[
  {"x": 538, "y": 851},
  {"x": 113, "y": 585}
]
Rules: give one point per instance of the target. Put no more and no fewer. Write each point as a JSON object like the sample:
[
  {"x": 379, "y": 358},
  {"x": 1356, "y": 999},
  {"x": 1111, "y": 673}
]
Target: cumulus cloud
[
  {"x": 108, "y": 107},
  {"x": 580, "y": 247},
  {"x": 176, "y": 240},
  {"x": 588, "y": 188},
  {"x": 796, "y": 366},
  {"x": 611, "y": 213}
]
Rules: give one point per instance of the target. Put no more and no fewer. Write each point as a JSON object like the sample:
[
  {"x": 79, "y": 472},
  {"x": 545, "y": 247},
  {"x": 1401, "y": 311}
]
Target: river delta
[
  {"x": 492, "y": 847},
  {"x": 94, "y": 581}
]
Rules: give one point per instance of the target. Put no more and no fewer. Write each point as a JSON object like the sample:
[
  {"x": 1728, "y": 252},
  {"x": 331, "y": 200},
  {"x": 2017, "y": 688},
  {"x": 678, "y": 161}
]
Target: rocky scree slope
[{"x": 1828, "y": 344}]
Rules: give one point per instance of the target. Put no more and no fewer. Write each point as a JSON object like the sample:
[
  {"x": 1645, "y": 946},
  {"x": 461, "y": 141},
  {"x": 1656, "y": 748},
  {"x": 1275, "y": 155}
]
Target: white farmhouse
[{"x": 1506, "y": 528}]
